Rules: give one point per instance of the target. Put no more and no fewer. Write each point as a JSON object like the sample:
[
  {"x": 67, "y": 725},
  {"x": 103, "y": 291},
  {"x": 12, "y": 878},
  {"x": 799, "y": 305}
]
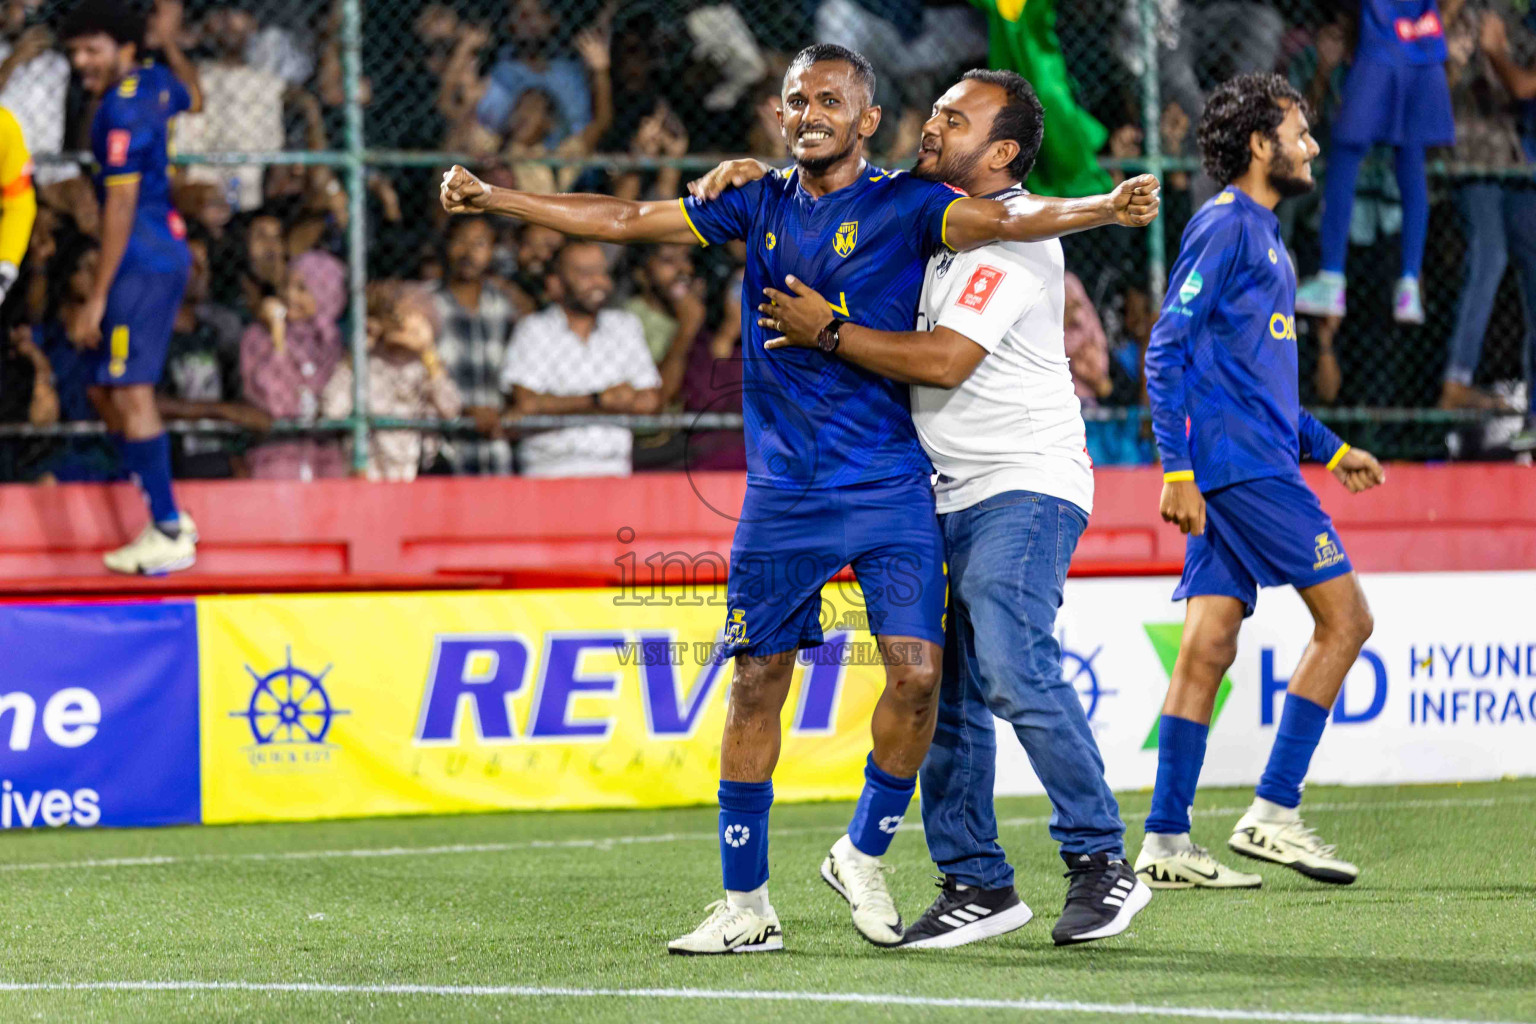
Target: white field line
[
  {"x": 847, "y": 998},
  {"x": 613, "y": 842}
]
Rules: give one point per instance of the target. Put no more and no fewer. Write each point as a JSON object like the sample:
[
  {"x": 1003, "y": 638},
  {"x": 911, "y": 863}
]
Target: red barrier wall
[{"x": 508, "y": 531}]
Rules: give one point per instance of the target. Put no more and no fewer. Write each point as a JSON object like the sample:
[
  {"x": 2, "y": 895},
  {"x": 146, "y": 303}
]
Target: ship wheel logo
[
  {"x": 1078, "y": 671},
  {"x": 289, "y": 705}
]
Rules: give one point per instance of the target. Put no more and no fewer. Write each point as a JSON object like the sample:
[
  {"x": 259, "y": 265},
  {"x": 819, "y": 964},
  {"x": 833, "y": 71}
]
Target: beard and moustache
[
  {"x": 956, "y": 170},
  {"x": 821, "y": 164},
  {"x": 1285, "y": 180}
]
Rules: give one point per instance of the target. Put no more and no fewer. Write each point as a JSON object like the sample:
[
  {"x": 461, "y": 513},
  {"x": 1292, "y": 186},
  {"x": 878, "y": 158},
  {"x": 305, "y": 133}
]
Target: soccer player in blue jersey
[
  {"x": 835, "y": 471},
  {"x": 1221, "y": 375},
  {"x": 144, "y": 265}
]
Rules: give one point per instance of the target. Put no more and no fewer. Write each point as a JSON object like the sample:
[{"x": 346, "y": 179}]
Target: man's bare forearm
[
  {"x": 935, "y": 358},
  {"x": 973, "y": 222},
  {"x": 117, "y": 217},
  {"x": 586, "y": 215}
]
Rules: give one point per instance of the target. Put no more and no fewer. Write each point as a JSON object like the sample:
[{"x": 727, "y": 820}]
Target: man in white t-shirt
[
  {"x": 575, "y": 356},
  {"x": 994, "y": 406}
]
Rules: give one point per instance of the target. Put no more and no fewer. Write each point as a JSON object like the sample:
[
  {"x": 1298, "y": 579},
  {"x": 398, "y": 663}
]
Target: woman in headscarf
[
  {"x": 286, "y": 359},
  {"x": 406, "y": 379}
]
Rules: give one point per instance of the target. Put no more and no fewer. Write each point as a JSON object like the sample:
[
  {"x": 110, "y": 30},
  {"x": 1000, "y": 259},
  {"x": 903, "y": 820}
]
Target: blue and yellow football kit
[
  {"x": 835, "y": 472},
  {"x": 129, "y": 138},
  {"x": 1222, "y": 379}
]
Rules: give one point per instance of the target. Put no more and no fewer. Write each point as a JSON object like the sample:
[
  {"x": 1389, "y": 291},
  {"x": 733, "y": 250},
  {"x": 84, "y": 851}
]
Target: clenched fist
[
  {"x": 462, "y": 192},
  {"x": 1136, "y": 201}
]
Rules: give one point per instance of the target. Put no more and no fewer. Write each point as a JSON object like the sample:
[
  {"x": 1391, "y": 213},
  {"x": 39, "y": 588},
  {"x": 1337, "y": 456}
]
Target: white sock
[
  {"x": 1268, "y": 810},
  {"x": 1165, "y": 845},
  {"x": 755, "y": 901},
  {"x": 848, "y": 850}
]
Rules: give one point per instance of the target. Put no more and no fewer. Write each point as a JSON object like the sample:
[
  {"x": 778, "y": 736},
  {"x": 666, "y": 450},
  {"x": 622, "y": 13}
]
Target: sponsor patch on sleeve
[
  {"x": 978, "y": 290},
  {"x": 117, "y": 146}
]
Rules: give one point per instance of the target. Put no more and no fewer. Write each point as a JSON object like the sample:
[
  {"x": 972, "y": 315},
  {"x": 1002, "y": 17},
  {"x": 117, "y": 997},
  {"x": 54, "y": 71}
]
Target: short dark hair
[
  {"x": 1021, "y": 119},
  {"x": 1236, "y": 109},
  {"x": 113, "y": 18},
  {"x": 818, "y": 53}
]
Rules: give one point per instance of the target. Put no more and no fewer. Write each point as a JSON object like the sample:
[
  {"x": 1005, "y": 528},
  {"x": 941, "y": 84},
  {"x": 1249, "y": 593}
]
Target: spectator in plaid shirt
[{"x": 476, "y": 317}]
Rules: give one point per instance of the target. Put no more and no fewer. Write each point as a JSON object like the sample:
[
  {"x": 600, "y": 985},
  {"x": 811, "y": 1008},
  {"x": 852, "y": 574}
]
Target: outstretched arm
[
  {"x": 583, "y": 215},
  {"x": 973, "y": 222}
]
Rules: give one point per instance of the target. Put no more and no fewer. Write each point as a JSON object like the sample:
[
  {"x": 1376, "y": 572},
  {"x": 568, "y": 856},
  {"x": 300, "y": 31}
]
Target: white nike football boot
[
  {"x": 1173, "y": 862},
  {"x": 860, "y": 879},
  {"x": 731, "y": 929},
  {"x": 152, "y": 553},
  {"x": 1277, "y": 834}
]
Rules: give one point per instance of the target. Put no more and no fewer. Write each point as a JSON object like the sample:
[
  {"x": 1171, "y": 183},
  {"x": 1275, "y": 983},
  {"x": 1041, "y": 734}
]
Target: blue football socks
[
  {"x": 1180, "y": 753},
  {"x": 1301, "y": 726},
  {"x": 881, "y": 806}
]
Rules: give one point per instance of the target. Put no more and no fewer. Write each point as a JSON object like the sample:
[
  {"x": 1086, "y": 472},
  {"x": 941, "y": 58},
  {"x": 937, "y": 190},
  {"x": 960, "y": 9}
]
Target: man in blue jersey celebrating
[
  {"x": 1221, "y": 375},
  {"x": 144, "y": 264},
  {"x": 836, "y": 475}
]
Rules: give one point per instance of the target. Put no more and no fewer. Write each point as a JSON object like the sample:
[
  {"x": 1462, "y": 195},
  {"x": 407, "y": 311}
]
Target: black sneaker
[
  {"x": 1102, "y": 897},
  {"x": 964, "y": 914}
]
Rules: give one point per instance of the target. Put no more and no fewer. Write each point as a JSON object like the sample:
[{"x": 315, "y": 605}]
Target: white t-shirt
[
  {"x": 548, "y": 357},
  {"x": 1015, "y": 423}
]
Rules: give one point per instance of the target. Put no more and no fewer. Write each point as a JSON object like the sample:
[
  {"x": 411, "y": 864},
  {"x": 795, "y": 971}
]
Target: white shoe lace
[
  {"x": 721, "y": 915},
  {"x": 1200, "y": 855},
  {"x": 868, "y": 878},
  {"x": 1296, "y": 833}
]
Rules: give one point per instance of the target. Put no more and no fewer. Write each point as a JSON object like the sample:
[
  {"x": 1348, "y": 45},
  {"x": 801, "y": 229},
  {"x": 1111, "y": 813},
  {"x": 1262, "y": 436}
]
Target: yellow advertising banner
[{"x": 328, "y": 706}]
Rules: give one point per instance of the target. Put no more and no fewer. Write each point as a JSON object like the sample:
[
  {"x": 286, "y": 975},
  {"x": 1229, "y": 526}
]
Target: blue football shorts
[
  {"x": 1268, "y": 532},
  {"x": 789, "y": 543}
]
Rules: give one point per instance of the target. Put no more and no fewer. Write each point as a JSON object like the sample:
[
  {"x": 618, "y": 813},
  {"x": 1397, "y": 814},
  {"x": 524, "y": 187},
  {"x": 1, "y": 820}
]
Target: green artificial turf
[{"x": 1442, "y": 923}]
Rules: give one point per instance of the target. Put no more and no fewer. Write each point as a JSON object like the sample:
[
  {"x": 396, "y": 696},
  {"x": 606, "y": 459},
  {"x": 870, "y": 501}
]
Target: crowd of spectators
[{"x": 489, "y": 320}]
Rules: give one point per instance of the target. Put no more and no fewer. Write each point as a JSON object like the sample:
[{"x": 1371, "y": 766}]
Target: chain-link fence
[{"x": 309, "y": 184}]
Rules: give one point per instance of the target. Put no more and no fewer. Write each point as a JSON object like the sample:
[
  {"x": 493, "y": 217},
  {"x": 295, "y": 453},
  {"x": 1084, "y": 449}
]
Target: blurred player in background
[
  {"x": 144, "y": 263},
  {"x": 18, "y": 209},
  {"x": 18, "y": 200},
  {"x": 1221, "y": 376},
  {"x": 1396, "y": 95},
  {"x": 836, "y": 475}
]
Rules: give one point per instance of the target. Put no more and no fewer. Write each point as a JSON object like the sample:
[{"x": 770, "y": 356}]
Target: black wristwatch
[{"x": 830, "y": 336}]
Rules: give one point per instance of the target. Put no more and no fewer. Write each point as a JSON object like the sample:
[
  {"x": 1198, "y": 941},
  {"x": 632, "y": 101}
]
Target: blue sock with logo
[
  {"x": 150, "y": 461},
  {"x": 744, "y": 833},
  {"x": 881, "y": 806},
  {"x": 1180, "y": 753},
  {"x": 1301, "y": 726}
]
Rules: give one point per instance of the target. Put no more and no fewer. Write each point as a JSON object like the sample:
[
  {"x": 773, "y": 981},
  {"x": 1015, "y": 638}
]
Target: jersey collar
[{"x": 1247, "y": 202}]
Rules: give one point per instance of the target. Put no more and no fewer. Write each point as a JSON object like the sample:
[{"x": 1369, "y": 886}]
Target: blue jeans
[
  {"x": 1008, "y": 558},
  {"x": 1500, "y": 220}
]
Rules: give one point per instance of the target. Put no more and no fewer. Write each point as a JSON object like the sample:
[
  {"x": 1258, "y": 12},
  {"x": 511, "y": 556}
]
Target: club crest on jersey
[
  {"x": 978, "y": 291},
  {"x": 769, "y": 241},
  {"x": 847, "y": 237}
]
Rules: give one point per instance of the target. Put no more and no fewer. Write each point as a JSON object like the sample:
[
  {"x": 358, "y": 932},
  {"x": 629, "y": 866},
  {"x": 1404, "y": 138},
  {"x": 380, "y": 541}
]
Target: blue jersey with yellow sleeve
[
  {"x": 1221, "y": 366},
  {"x": 813, "y": 420},
  {"x": 130, "y": 140}
]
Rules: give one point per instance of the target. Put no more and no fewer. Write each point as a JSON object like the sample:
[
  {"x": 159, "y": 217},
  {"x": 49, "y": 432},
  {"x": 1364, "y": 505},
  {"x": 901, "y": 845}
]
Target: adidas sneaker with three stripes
[
  {"x": 1102, "y": 896},
  {"x": 964, "y": 914}
]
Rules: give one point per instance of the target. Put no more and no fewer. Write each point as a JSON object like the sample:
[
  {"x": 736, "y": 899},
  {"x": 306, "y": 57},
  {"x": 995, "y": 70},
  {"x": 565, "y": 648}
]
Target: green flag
[{"x": 1022, "y": 38}]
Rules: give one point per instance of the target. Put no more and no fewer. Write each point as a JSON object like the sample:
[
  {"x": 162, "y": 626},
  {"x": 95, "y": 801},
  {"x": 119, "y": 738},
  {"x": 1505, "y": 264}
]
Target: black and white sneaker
[
  {"x": 963, "y": 914},
  {"x": 1102, "y": 897}
]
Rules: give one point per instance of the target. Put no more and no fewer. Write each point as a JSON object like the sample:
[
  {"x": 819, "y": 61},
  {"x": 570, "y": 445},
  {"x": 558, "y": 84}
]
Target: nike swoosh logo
[
  {"x": 731, "y": 940},
  {"x": 1208, "y": 877}
]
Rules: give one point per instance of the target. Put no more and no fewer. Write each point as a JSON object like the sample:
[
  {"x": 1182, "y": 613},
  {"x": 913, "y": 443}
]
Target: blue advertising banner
[{"x": 98, "y": 715}]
